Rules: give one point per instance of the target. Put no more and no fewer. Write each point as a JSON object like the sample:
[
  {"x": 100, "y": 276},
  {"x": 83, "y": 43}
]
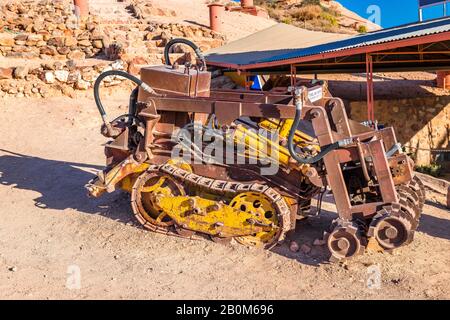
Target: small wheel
[
  {"x": 345, "y": 241},
  {"x": 392, "y": 227}
]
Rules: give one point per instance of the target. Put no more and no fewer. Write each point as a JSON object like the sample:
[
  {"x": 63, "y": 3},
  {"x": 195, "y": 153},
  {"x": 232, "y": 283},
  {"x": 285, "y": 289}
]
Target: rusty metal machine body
[{"x": 376, "y": 194}]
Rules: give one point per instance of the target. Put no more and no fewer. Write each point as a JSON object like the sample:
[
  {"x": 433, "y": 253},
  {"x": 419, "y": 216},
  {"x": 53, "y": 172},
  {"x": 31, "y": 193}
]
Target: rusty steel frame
[
  {"x": 228, "y": 106},
  {"x": 370, "y": 92}
]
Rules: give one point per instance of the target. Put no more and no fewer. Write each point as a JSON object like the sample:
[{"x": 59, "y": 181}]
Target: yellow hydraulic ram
[{"x": 262, "y": 148}]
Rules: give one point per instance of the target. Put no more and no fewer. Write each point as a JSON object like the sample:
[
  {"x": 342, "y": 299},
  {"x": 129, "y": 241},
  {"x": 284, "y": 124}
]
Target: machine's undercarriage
[{"x": 239, "y": 165}]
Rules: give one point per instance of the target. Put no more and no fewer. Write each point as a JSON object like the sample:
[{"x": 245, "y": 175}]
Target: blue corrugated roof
[{"x": 378, "y": 37}]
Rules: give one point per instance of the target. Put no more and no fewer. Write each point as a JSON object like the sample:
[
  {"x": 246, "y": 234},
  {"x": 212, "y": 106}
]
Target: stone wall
[
  {"x": 50, "y": 30},
  {"x": 421, "y": 124},
  {"x": 46, "y": 49}
]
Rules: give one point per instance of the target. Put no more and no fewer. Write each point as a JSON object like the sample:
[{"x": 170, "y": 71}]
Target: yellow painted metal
[
  {"x": 258, "y": 147},
  {"x": 115, "y": 177},
  {"x": 180, "y": 164},
  {"x": 155, "y": 187},
  {"x": 260, "y": 207},
  {"x": 284, "y": 127},
  {"x": 212, "y": 217},
  {"x": 127, "y": 182}
]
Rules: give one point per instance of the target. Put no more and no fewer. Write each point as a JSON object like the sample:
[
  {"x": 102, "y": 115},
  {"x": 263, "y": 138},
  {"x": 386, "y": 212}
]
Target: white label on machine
[{"x": 315, "y": 95}]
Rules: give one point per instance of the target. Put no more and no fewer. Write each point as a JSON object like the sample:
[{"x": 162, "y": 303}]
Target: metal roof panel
[{"x": 374, "y": 38}]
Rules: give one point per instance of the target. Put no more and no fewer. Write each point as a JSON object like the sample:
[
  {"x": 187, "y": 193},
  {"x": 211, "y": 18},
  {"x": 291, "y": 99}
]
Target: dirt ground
[{"x": 49, "y": 228}]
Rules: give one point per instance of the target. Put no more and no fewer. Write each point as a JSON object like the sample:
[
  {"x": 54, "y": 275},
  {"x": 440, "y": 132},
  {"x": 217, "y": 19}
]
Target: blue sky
[{"x": 394, "y": 12}]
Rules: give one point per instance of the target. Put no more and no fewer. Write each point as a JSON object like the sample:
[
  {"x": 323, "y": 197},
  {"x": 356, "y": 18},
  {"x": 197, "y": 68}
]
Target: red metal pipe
[
  {"x": 370, "y": 94},
  {"x": 215, "y": 16},
  {"x": 443, "y": 79},
  {"x": 246, "y": 3},
  {"x": 81, "y": 7}
]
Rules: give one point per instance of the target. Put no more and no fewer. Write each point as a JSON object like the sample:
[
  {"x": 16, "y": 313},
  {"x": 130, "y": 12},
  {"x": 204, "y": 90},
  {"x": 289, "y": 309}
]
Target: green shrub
[
  {"x": 286, "y": 20},
  {"x": 311, "y": 2},
  {"x": 434, "y": 170},
  {"x": 362, "y": 29},
  {"x": 330, "y": 18}
]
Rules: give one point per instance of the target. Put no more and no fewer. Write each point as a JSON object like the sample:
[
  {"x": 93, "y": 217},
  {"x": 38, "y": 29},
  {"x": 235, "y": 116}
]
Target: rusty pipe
[
  {"x": 246, "y": 3},
  {"x": 215, "y": 16},
  {"x": 81, "y": 7},
  {"x": 363, "y": 160}
]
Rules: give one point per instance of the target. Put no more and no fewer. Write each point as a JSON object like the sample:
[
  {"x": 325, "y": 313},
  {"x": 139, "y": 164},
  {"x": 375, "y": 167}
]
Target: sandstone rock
[
  {"x": 117, "y": 65},
  {"x": 45, "y": 57},
  {"x": 112, "y": 83},
  {"x": 56, "y": 42},
  {"x": 6, "y": 40},
  {"x": 13, "y": 91},
  {"x": 45, "y": 93},
  {"x": 6, "y": 73},
  {"x": 58, "y": 65},
  {"x": 48, "y": 50},
  {"x": 21, "y": 72},
  {"x": 20, "y": 48},
  {"x": 98, "y": 44},
  {"x": 84, "y": 43},
  {"x": 62, "y": 75},
  {"x": 35, "y": 37},
  {"x": 45, "y": 66},
  {"x": 71, "y": 65},
  {"x": 69, "y": 92},
  {"x": 88, "y": 75},
  {"x": 63, "y": 50},
  {"x": 71, "y": 41},
  {"x": 21, "y": 37},
  {"x": 76, "y": 55},
  {"x": 41, "y": 43},
  {"x": 60, "y": 57},
  {"x": 74, "y": 76},
  {"x": 82, "y": 85},
  {"x": 136, "y": 64},
  {"x": 45, "y": 35},
  {"x": 49, "y": 77}
]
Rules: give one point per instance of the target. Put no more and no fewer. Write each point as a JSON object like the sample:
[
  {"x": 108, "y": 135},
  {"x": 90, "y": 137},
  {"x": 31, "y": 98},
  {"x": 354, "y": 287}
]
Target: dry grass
[{"x": 309, "y": 12}]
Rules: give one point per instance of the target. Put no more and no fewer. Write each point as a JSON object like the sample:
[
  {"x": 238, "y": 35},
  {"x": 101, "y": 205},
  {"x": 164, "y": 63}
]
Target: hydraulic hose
[
  {"x": 123, "y": 74},
  {"x": 291, "y": 146},
  {"x": 196, "y": 49}
]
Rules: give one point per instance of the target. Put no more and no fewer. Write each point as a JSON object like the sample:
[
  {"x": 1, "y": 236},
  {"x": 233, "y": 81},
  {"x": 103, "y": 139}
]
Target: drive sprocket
[
  {"x": 147, "y": 187},
  {"x": 265, "y": 215}
]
